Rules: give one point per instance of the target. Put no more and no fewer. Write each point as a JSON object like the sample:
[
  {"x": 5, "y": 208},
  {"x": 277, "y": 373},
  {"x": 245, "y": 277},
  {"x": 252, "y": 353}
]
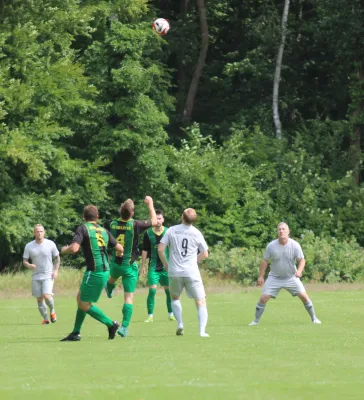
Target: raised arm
[{"x": 152, "y": 215}]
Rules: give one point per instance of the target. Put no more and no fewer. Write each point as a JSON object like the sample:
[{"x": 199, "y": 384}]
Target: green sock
[
  {"x": 150, "y": 300},
  {"x": 168, "y": 300},
  {"x": 127, "y": 313},
  {"x": 98, "y": 314},
  {"x": 110, "y": 288},
  {"x": 80, "y": 317}
]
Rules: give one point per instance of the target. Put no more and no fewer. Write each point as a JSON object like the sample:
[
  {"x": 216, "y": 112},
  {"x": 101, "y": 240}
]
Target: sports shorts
[
  {"x": 194, "y": 287},
  {"x": 41, "y": 287},
  {"x": 92, "y": 285},
  {"x": 129, "y": 274},
  {"x": 155, "y": 277},
  {"x": 274, "y": 284}
]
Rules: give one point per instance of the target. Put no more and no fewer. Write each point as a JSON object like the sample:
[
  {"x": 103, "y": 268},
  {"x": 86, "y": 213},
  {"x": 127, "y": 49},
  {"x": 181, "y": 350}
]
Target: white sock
[
  {"x": 170, "y": 314},
  {"x": 43, "y": 310},
  {"x": 177, "y": 312},
  {"x": 50, "y": 303},
  {"x": 202, "y": 317}
]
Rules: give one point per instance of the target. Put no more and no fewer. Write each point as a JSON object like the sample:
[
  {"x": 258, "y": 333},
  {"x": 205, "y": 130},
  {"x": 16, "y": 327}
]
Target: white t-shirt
[
  {"x": 283, "y": 258},
  {"x": 42, "y": 256},
  {"x": 184, "y": 242}
]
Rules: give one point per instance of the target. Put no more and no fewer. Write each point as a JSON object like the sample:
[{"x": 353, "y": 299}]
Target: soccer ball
[{"x": 161, "y": 26}]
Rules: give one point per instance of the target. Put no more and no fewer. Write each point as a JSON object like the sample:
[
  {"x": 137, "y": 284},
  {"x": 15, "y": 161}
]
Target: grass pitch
[{"x": 285, "y": 357}]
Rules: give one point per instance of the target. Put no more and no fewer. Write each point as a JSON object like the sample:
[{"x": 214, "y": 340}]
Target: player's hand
[
  {"x": 64, "y": 249},
  {"x": 32, "y": 266},
  {"x": 299, "y": 274},
  {"x": 148, "y": 201},
  {"x": 143, "y": 272},
  {"x": 55, "y": 274},
  {"x": 260, "y": 281}
]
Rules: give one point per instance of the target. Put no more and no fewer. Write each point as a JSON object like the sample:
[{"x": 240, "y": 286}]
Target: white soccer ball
[{"x": 161, "y": 26}]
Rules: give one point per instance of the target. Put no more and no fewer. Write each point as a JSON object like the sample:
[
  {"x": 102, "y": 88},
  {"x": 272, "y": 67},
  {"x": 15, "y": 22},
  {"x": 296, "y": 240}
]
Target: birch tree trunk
[
  {"x": 277, "y": 75},
  {"x": 200, "y": 63}
]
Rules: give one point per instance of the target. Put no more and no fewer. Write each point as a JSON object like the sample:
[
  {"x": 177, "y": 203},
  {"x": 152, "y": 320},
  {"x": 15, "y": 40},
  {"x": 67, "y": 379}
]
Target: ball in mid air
[{"x": 161, "y": 26}]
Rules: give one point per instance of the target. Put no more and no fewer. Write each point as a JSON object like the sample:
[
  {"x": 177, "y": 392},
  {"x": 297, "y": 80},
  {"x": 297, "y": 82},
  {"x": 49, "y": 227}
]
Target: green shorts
[
  {"x": 155, "y": 277},
  {"x": 129, "y": 274},
  {"x": 92, "y": 285}
]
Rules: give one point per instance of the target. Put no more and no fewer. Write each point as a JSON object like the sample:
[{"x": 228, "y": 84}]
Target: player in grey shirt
[
  {"x": 282, "y": 254},
  {"x": 187, "y": 247},
  {"x": 41, "y": 252}
]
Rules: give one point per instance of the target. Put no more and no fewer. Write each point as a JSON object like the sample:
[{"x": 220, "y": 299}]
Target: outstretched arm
[{"x": 152, "y": 215}]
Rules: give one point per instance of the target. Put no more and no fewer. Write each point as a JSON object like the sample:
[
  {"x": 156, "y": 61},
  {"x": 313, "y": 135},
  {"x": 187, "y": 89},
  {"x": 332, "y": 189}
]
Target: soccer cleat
[
  {"x": 123, "y": 331},
  {"x": 253, "y": 323},
  {"x": 179, "y": 331},
  {"x": 149, "y": 319},
  {"x": 316, "y": 321},
  {"x": 72, "y": 337},
  {"x": 171, "y": 318},
  {"x": 112, "y": 329},
  {"x": 53, "y": 317},
  {"x": 45, "y": 322},
  {"x": 204, "y": 334}
]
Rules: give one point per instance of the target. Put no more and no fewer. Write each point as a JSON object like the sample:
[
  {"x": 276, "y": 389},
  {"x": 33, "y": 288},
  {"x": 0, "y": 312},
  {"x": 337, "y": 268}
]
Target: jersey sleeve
[
  {"x": 55, "y": 251},
  {"x": 26, "y": 254},
  {"x": 202, "y": 246},
  {"x": 112, "y": 241},
  {"x": 299, "y": 252},
  {"x": 267, "y": 253},
  {"x": 166, "y": 238},
  {"x": 146, "y": 242},
  {"x": 140, "y": 226},
  {"x": 79, "y": 235}
]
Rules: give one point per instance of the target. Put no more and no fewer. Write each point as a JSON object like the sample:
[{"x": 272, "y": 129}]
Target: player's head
[
  {"x": 91, "y": 213},
  {"x": 39, "y": 231},
  {"x": 127, "y": 209},
  {"x": 189, "y": 216},
  {"x": 160, "y": 217},
  {"x": 283, "y": 230}
]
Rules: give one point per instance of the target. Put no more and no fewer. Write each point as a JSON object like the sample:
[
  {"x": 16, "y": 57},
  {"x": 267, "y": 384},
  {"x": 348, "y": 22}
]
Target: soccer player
[
  {"x": 282, "y": 254},
  {"x": 187, "y": 248},
  {"x": 156, "y": 272},
  {"x": 41, "y": 252},
  {"x": 94, "y": 240},
  {"x": 126, "y": 231}
]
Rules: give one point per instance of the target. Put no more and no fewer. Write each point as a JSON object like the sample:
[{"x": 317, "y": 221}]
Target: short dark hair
[
  {"x": 90, "y": 213},
  {"x": 127, "y": 209},
  {"x": 159, "y": 212}
]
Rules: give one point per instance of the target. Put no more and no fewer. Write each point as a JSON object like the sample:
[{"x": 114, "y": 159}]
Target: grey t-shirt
[
  {"x": 42, "y": 256},
  {"x": 184, "y": 242},
  {"x": 283, "y": 258}
]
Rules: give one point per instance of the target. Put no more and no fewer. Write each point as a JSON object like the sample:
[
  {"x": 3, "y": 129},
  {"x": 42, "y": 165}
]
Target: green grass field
[{"x": 285, "y": 357}]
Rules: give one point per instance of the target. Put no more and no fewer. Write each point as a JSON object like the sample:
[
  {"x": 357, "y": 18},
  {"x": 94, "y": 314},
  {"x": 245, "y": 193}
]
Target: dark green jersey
[
  {"x": 94, "y": 240},
  {"x": 151, "y": 241},
  {"x": 127, "y": 234}
]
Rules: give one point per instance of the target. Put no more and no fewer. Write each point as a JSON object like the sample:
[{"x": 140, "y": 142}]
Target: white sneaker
[
  {"x": 204, "y": 334},
  {"x": 253, "y": 323},
  {"x": 316, "y": 321}
]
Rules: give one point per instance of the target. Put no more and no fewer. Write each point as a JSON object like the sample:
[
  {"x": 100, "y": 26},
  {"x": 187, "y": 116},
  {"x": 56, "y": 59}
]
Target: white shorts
[
  {"x": 194, "y": 287},
  {"x": 273, "y": 285},
  {"x": 41, "y": 287}
]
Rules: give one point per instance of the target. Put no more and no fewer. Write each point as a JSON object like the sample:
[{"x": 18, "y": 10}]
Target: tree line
[{"x": 96, "y": 108}]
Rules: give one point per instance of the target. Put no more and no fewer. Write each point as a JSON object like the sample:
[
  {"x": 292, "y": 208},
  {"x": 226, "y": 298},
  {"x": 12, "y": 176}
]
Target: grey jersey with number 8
[{"x": 184, "y": 241}]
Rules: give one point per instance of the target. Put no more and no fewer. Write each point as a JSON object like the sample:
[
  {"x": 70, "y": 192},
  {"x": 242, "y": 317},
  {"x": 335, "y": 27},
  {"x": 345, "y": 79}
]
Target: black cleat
[
  {"x": 113, "y": 329},
  {"x": 72, "y": 337}
]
